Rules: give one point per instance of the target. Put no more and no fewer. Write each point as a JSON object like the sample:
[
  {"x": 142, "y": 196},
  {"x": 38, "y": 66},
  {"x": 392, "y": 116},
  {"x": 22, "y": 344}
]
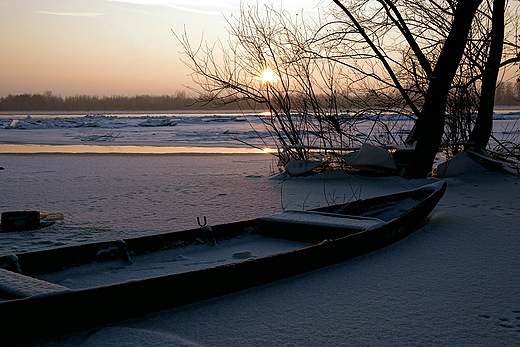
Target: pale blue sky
[{"x": 106, "y": 47}]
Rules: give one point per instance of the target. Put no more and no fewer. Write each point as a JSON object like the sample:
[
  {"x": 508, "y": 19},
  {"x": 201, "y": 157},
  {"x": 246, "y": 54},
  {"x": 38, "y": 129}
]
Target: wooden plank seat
[{"x": 326, "y": 219}]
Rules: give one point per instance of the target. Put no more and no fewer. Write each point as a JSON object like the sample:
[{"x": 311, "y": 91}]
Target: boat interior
[{"x": 105, "y": 263}]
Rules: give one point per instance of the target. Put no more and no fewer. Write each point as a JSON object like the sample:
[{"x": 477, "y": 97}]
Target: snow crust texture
[{"x": 454, "y": 282}]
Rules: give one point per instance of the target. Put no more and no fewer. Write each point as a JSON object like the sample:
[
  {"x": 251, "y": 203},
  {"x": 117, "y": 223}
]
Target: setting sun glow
[{"x": 268, "y": 76}]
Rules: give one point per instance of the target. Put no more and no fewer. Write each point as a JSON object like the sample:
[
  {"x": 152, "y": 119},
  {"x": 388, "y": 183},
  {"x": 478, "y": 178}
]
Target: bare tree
[
  {"x": 311, "y": 90},
  {"x": 429, "y": 127},
  {"x": 434, "y": 62},
  {"x": 484, "y": 124},
  {"x": 258, "y": 44},
  {"x": 442, "y": 57}
]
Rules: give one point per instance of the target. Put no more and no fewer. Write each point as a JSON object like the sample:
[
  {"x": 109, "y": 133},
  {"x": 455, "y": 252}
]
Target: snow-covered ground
[{"x": 454, "y": 282}]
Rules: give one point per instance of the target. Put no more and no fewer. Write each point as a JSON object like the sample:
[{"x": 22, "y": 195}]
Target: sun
[
  {"x": 267, "y": 150},
  {"x": 268, "y": 76}
]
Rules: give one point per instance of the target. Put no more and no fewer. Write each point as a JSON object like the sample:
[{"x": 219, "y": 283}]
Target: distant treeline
[
  {"x": 50, "y": 102},
  {"x": 507, "y": 93}
]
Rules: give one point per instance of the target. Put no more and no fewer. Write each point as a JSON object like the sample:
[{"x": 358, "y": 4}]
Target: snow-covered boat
[
  {"x": 496, "y": 164},
  {"x": 57, "y": 291},
  {"x": 27, "y": 220}
]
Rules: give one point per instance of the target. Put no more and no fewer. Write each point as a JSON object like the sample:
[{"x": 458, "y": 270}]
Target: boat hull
[{"x": 32, "y": 318}]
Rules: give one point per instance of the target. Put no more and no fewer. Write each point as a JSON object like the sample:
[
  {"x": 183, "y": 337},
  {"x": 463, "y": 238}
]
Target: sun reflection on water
[{"x": 94, "y": 149}]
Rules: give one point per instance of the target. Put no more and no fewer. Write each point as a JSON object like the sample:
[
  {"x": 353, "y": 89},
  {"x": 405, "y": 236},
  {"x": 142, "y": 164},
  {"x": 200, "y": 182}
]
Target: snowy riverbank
[{"x": 453, "y": 282}]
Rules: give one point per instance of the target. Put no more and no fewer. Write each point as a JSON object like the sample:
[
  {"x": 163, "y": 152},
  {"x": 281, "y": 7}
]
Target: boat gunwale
[
  {"x": 175, "y": 290},
  {"x": 203, "y": 239}
]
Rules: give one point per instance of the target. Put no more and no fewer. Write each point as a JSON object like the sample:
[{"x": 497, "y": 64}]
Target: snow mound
[
  {"x": 15, "y": 124},
  {"x": 301, "y": 167},
  {"x": 372, "y": 157},
  {"x": 459, "y": 164},
  {"x": 158, "y": 122}
]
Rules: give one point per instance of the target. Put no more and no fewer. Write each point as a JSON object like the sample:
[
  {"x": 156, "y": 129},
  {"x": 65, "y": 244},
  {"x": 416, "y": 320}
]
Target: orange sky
[
  {"x": 109, "y": 47},
  {"x": 105, "y": 47}
]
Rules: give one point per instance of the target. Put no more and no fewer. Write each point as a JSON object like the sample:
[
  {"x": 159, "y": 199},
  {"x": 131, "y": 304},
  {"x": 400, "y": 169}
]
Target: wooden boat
[
  {"x": 44, "y": 293},
  {"x": 26, "y": 220},
  {"x": 19, "y": 221},
  {"x": 495, "y": 164}
]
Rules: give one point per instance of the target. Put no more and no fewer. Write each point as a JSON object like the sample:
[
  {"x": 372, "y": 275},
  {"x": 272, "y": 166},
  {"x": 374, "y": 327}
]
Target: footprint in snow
[{"x": 506, "y": 322}]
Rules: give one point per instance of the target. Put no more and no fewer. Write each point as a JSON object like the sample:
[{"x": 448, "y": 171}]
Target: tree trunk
[
  {"x": 429, "y": 127},
  {"x": 479, "y": 136}
]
